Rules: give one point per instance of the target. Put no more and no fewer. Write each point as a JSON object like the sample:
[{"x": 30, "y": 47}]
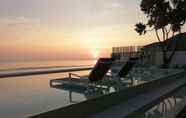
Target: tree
[{"x": 165, "y": 18}]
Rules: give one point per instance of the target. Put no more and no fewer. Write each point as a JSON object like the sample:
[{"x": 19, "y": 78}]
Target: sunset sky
[{"x": 67, "y": 29}]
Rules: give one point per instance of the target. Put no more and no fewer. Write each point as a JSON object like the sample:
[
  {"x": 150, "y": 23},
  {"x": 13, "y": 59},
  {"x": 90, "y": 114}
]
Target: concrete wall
[{"x": 178, "y": 59}]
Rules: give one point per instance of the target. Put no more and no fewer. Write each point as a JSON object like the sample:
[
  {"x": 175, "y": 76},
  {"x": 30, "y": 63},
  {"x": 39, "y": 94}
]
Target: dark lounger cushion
[
  {"x": 100, "y": 69},
  {"x": 128, "y": 66}
]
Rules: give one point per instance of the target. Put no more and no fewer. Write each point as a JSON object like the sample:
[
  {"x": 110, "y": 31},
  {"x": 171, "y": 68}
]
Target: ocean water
[
  {"x": 13, "y": 65},
  {"x": 29, "y": 95}
]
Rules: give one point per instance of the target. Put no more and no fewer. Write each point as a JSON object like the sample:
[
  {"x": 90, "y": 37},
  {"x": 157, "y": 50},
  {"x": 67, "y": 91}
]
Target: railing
[
  {"x": 126, "y": 103},
  {"x": 19, "y": 73}
]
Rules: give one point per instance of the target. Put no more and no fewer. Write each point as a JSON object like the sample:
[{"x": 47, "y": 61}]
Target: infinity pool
[{"x": 26, "y": 96}]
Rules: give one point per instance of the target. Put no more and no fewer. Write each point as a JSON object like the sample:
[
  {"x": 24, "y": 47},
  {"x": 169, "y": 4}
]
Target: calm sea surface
[{"x": 26, "y": 96}]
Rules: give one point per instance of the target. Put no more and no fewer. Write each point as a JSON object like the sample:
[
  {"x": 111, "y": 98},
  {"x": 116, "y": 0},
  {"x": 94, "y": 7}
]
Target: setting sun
[
  {"x": 95, "y": 51},
  {"x": 95, "y": 54}
]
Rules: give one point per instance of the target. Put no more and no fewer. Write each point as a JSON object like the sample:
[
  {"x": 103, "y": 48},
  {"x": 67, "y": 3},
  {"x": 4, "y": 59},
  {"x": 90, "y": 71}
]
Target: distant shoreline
[
  {"x": 44, "y": 60},
  {"x": 34, "y": 65}
]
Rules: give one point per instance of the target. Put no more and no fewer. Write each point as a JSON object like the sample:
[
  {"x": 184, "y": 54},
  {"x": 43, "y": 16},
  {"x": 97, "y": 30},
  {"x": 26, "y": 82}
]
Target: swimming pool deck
[
  {"x": 85, "y": 82},
  {"x": 70, "y": 81},
  {"x": 127, "y": 103}
]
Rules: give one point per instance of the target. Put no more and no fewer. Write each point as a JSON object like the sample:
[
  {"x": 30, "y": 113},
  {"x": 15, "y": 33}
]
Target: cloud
[
  {"x": 20, "y": 20},
  {"x": 17, "y": 27}
]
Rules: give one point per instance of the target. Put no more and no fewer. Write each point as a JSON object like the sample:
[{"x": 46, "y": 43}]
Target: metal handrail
[
  {"x": 40, "y": 72},
  {"x": 73, "y": 74}
]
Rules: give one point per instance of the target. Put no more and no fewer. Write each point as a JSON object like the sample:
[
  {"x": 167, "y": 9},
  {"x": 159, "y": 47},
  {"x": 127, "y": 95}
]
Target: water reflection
[
  {"x": 87, "y": 93},
  {"x": 169, "y": 107},
  {"x": 30, "y": 95}
]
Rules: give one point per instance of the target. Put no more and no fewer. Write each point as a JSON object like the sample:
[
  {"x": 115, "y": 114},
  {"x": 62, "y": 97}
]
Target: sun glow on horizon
[
  {"x": 95, "y": 52},
  {"x": 87, "y": 29},
  {"x": 95, "y": 55}
]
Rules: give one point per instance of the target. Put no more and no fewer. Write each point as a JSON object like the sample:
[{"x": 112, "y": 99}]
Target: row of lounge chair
[{"x": 98, "y": 77}]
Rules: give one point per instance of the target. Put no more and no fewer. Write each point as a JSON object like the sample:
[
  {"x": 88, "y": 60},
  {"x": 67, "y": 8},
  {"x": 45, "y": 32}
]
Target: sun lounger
[
  {"x": 94, "y": 79},
  {"x": 124, "y": 73}
]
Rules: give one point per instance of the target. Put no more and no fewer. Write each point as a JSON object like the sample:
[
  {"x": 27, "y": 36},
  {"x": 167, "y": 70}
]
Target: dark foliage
[{"x": 165, "y": 16}]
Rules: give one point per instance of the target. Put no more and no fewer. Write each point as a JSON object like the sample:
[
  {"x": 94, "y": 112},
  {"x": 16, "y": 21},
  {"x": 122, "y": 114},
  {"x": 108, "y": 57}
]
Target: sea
[{"x": 26, "y": 96}]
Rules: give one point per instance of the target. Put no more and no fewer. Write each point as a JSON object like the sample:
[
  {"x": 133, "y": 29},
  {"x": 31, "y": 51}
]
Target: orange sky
[
  {"x": 51, "y": 44},
  {"x": 67, "y": 29}
]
